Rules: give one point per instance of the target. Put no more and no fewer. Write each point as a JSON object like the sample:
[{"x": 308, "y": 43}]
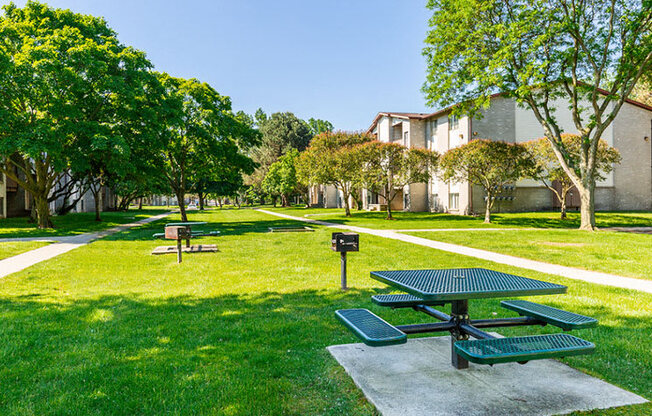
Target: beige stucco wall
[{"x": 633, "y": 176}]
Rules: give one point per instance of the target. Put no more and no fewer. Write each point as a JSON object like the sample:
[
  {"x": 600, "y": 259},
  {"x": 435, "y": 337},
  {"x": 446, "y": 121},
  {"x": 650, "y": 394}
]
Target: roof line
[{"x": 424, "y": 116}]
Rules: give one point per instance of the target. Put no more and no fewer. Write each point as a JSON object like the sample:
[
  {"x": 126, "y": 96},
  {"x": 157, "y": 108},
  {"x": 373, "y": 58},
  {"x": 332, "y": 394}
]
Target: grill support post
[
  {"x": 343, "y": 261},
  {"x": 179, "y": 250},
  {"x": 460, "y": 315}
]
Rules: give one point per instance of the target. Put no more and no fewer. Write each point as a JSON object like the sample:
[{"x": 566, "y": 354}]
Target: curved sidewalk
[
  {"x": 65, "y": 244},
  {"x": 539, "y": 266}
]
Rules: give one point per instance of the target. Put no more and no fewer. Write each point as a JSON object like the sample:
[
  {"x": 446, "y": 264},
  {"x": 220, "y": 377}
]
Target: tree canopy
[
  {"x": 489, "y": 164},
  {"x": 583, "y": 55},
  {"x": 281, "y": 179},
  {"x": 335, "y": 159},
  {"x": 387, "y": 168},
  {"x": 68, "y": 87},
  {"x": 548, "y": 170},
  {"x": 201, "y": 136}
]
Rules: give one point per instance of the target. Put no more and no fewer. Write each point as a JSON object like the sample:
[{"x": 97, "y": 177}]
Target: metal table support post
[
  {"x": 343, "y": 261},
  {"x": 189, "y": 231},
  {"x": 460, "y": 315}
]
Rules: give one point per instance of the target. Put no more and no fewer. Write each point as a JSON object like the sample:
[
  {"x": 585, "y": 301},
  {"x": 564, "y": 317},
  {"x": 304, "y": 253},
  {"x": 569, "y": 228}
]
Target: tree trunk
[
  {"x": 347, "y": 208},
  {"x": 389, "y": 212},
  {"x": 182, "y": 206},
  {"x": 42, "y": 212},
  {"x": 98, "y": 197},
  {"x": 201, "y": 201},
  {"x": 388, "y": 200},
  {"x": 488, "y": 206},
  {"x": 140, "y": 203},
  {"x": 487, "y": 213},
  {"x": 562, "y": 203},
  {"x": 587, "y": 207},
  {"x": 33, "y": 213}
]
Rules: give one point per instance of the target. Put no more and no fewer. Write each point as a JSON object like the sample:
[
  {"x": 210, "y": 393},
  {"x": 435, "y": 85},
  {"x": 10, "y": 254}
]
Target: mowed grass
[
  {"x": 110, "y": 329},
  {"x": 72, "y": 224},
  {"x": 9, "y": 249},
  {"x": 626, "y": 254},
  {"x": 428, "y": 220}
]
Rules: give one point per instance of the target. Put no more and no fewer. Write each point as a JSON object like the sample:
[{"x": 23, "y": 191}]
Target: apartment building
[{"x": 628, "y": 187}]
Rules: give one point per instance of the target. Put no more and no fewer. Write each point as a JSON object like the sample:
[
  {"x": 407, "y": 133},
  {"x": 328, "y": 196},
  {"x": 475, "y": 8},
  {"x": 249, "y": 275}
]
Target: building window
[
  {"x": 454, "y": 201},
  {"x": 433, "y": 134},
  {"x": 405, "y": 138},
  {"x": 453, "y": 122}
]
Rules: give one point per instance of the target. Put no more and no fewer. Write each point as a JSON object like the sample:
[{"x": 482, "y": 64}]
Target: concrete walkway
[
  {"x": 539, "y": 266},
  {"x": 63, "y": 245}
]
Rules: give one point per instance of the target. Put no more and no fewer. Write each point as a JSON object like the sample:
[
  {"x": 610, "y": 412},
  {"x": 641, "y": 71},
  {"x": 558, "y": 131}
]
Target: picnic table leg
[
  {"x": 459, "y": 313},
  {"x": 179, "y": 250}
]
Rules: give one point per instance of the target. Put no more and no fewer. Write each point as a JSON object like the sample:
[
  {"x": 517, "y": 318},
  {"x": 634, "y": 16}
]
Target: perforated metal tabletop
[{"x": 458, "y": 284}]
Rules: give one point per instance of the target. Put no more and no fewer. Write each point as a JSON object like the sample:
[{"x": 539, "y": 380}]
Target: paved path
[
  {"x": 539, "y": 266},
  {"x": 65, "y": 244},
  {"x": 638, "y": 230}
]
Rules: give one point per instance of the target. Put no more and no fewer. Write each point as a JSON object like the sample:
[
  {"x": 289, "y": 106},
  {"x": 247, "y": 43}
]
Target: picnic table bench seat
[
  {"x": 370, "y": 328},
  {"x": 553, "y": 316},
  {"x": 403, "y": 301},
  {"x": 522, "y": 349},
  {"x": 196, "y": 233}
]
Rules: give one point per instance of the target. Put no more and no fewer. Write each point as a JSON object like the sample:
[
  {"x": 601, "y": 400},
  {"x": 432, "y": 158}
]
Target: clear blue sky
[{"x": 339, "y": 60}]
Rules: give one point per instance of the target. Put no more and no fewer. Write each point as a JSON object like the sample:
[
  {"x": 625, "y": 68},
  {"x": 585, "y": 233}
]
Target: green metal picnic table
[
  {"x": 188, "y": 225},
  {"x": 437, "y": 287}
]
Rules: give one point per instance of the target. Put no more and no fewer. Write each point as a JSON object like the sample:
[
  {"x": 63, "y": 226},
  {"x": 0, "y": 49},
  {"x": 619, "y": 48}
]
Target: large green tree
[
  {"x": 281, "y": 178},
  {"x": 63, "y": 79},
  {"x": 335, "y": 159},
  {"x": 547, "y": 54},
  {"x": 201, "y": 135},
  {"x": 387, "y": 168},
  {"x": 318, "y": 126},
  {"x": 548, "y": 170},
  {"x": 489, "y": 164},
  {"x": 279, "y": 133}
]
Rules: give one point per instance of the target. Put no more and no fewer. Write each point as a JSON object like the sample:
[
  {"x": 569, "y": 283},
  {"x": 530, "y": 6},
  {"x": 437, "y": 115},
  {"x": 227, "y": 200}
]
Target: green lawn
[
  {"x": 625, "y": 254},
  {"x": 422, "y": 220},
  {"x": 8, "y": 249},
  {"x": 71, "y": 224},
  {"x": 110, "y": 329}
]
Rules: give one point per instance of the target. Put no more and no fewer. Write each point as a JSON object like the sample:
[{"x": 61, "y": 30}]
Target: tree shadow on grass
[
  {"x": 603, "y": 220},
  {"x": 232, "y": 228},
  {"x": 72, "y": 224},
  {"x": 230, "y": 354}
]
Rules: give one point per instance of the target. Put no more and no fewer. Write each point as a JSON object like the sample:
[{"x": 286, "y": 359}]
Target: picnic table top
[
  {"x": 185, "y": 224},
  {"x": 459, "y": 284}
]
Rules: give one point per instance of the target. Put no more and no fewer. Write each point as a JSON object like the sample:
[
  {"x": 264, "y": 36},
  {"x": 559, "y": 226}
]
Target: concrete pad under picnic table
[{"x": 417, "y": 378}]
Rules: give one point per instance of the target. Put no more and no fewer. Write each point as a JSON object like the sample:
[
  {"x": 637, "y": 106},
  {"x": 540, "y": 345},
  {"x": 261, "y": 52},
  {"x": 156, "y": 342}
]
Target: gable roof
[{"x": 424, "y": 116}]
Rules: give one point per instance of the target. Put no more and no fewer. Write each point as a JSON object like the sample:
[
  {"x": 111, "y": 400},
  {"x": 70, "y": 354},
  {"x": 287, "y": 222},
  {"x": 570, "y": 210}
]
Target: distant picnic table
[{"x": 180, "y": 231}]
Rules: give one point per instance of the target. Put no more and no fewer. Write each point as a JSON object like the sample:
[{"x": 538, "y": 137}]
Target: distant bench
[{"x": 197, "y": 233}]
